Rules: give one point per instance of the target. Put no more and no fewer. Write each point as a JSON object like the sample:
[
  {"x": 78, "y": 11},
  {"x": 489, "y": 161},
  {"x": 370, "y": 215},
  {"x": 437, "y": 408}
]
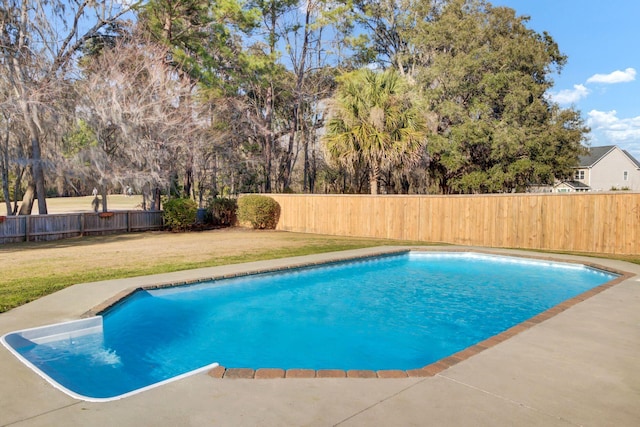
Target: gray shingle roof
[
  {"x": 576, "y": 184},
  {"x": 595, "y": 154},
  {"x": 633, "y": 159}
]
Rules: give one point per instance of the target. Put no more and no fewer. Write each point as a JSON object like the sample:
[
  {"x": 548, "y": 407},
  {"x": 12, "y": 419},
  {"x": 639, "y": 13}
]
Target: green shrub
[
  {"x": 179, "y": 214},
  {"x": 260, "y": 211},
  {"x": 223, "y": 210}
]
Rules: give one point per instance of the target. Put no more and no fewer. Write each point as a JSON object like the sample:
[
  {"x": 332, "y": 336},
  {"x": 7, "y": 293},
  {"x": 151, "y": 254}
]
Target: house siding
[
  {"x": 587, "y": 176},
  {"x": 608, "y": 173}
]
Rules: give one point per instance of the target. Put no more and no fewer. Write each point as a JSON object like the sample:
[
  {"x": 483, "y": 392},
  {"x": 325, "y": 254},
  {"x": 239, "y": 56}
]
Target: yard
[
  {"x": 31, "y": 270},
  {"x": 523, "y": 380},
  {"x": 83, "y": 204}
]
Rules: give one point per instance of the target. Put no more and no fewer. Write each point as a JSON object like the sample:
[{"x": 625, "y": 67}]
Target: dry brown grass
[
  {"x": 31, "y": 270},
  {"x": 83, "y": 204},
  {"x": 139, "y": 249}
]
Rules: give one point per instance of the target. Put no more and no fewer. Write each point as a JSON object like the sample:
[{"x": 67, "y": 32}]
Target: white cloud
[
  {"x": 617, "y": 76},
  {"x": 569, "y": 96},
  {"x": 616, "y": 129},
  {"x": 609, "y": 129}
]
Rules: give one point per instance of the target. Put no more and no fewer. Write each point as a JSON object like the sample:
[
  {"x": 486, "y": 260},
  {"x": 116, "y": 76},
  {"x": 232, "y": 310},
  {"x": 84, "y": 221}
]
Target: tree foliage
[
  {"x": 37, "y": 51},
  {"x": 485, "y": 78},
  {"x": 140, "y": 134},
  {"x": 374, "y": 123},
  {"x": 198, "y": 99}
]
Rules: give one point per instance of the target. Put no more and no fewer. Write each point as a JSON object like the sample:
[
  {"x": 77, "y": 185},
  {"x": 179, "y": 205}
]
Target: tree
[
  {"x": 264, "y": 70},
  {"x": 9, "y": 153},
  {"x": 298, "y": 60},
  {"x": 141, "y": 132},
  {"x": 263, "y": 62},
  {"x": 374, "y": 121},
  {"x": 379, "y": 31},
  {"x": 13, "y": 149},
  {"x": 203, "y": 36},
  {"x": 485, "y": 75},
  {"x": 204, "y": 41},
  {"x": 38, "y": 47},
  {"x": 313, "y": 82}
]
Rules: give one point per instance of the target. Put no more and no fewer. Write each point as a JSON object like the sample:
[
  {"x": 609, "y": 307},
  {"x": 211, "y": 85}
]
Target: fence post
[
  {"x": 82, "y": 222},
  {"x": 128, "y": 221},
  {"x": 27, "y": 227}
]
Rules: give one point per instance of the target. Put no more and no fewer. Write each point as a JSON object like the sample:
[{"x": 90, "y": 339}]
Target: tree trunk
[
  {"x": 60, "y": 186},
  {"x": 269, "y": 101},
  {"x": 312, "y": 172},
  {"x": 103, "y": 193},
  {"x": 374, "y": 174},
  {"x": 17, "y": 186},
  {"x": 156, "y": 199},
  {"x": 287, "y": 162},
  {"x": 306, "y": 181},
  {"x": 5, "y": 191},
  {"x": 36, "y": 161},
  {"x": 27, "y": 200},
  {"x": 214, "y": 177},
  {"x": 268, "y": 145},
  {"x": 34, "y": 133},
  {"x": 38, "y": 175},
  {"x": 188, "y": 179},
  {"x": 297, "y": 107},
  {"x": 145, "y": 197},
  {"x": 4, "y": 167}
]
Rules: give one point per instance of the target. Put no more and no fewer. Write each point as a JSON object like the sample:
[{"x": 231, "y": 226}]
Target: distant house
[
  {"x": 570, "y": 187},
  {"x": 603, "y": 169}
]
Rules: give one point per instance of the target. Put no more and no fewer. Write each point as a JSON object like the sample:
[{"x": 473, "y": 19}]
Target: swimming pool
[{"x": 392, "y": 312}]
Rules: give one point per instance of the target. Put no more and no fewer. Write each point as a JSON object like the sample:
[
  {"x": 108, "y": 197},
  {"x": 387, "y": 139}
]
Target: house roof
[
  {"x": 597, "y": 153},
  {"x": 575, "y": 184},
  {"x": 633, "y": 159}
]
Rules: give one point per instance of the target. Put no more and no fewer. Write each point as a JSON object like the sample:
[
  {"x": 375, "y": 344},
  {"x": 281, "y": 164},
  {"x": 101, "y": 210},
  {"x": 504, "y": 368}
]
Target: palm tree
[{"x": 374, "y": 122}]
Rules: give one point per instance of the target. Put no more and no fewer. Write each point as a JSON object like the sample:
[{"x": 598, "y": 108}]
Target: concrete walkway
[{"x": 581, "y": 367}]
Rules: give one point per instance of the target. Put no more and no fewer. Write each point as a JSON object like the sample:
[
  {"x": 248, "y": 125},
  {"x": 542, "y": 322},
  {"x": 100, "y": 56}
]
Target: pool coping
[{"x": 430, "y": 370}]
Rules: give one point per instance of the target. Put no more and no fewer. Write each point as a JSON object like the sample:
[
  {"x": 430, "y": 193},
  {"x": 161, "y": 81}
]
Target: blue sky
[{"x": 602, "y": 74}]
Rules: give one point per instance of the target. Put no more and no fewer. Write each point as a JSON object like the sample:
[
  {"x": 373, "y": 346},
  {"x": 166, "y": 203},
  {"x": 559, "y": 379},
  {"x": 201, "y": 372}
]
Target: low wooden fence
[
  {"x": 587, "y": 222},
  {"x": 61, "y": 226}
]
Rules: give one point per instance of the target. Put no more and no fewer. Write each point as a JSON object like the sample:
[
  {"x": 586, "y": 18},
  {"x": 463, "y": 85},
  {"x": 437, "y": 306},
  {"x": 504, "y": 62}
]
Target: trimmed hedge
[
  {"x": 180, "y": 214},
  {"x": 223, "y": 211},
  {"x": 261, "y": 212}
]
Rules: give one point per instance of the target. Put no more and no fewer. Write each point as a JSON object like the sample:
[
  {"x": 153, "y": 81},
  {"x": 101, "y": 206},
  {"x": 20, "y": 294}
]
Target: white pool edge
[{"x": 75, "y": 328}]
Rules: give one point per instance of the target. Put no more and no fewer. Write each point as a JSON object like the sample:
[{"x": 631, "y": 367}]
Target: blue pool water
[{"x": 392, "y": 312}]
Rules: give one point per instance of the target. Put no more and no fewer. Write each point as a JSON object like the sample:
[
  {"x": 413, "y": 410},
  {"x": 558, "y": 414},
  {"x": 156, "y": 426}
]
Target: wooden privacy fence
[
  {"x": 61, "y": 226},
  {"x": 586, "y": 222}
]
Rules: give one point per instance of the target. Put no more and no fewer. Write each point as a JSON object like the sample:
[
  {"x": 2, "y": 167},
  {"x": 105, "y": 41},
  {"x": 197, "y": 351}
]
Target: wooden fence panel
[
  {"x": 427, "y": 219},
  {"x": 144, "y": 220},
  {"x": 411, "y": 213},
  {"x": 586, "y": 222},
  {"x": 61, "y": 226},
  {"x": 13, "y": 229},
  {"x": 54, "y": 227},
  {"x": 109, "y": 223}
]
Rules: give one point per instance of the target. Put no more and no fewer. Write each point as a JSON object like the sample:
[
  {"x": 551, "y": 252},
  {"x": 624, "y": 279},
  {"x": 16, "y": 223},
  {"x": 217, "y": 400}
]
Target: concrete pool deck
[{"x": 580, "y": 367}]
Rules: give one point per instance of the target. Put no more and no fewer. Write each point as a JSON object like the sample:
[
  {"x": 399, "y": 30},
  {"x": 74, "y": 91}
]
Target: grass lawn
[
  {"x": 115, "y": 202},
  {"x": 34, "y": 269}
]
